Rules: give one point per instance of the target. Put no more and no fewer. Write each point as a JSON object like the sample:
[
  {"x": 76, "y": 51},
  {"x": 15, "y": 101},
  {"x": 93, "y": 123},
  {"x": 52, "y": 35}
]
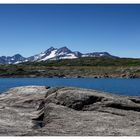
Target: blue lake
[{"x": 116, "y": 86}]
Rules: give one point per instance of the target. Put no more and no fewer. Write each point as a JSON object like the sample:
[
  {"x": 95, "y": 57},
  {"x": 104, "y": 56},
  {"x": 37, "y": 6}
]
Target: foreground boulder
[{"x": 67, "y": 111}]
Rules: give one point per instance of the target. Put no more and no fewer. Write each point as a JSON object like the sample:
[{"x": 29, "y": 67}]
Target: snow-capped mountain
[
  {"x": 51, "y": 54},
  {"x": 97, "y": 54},
  {"x": 64, "y": 53},
  {"x": 54, "y": 54},
  {"x": 17, "y": 58}
]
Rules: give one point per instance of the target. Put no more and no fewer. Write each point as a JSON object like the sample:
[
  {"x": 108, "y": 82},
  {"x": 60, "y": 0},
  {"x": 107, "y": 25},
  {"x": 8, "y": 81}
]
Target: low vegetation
[{"x": 81, "y": 67}]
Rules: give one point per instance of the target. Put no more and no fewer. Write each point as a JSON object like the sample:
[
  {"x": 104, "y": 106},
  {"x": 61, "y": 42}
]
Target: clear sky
[{"x": 31, "y": 29}]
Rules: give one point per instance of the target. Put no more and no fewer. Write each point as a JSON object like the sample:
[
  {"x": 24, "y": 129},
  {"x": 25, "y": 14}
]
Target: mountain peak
[
  {"x": 64, "y": 50},
  {"x": 65, "y": 47},
  {"x": 17, "y": 55},
  {"x": 50, "y": 49}
]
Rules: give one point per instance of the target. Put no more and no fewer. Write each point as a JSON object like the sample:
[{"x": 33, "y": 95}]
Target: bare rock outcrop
[{"x": 67, "y": 111}]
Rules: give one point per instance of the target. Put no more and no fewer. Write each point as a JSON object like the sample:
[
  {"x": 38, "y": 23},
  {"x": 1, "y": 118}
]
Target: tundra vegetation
[{"x": 102, "y": 67}]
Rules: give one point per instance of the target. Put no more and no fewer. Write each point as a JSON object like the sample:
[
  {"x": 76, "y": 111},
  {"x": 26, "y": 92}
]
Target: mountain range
[{"x": 51, "y": 54}]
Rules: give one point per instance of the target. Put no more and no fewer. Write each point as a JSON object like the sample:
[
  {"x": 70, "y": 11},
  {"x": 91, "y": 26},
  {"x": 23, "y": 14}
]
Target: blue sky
[{"x": 31, "y": 29}]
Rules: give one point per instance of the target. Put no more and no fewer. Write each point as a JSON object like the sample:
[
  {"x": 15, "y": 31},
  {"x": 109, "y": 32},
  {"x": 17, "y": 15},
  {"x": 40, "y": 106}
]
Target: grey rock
[{"x": 67, "y": 111}]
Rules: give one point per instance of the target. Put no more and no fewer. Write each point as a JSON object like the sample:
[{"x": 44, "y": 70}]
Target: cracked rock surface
[{"x": 67, "y": 111}]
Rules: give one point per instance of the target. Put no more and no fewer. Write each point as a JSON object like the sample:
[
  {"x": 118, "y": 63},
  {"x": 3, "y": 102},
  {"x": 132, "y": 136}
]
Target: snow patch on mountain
[
  {"x": 39, "y": 56},
  {"x": 69, "y": 56},
  {"x": 51, "y": 55}
]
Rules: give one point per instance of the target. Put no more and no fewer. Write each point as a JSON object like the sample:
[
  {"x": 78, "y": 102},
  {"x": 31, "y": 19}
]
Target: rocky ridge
[{"x": 67, "y": 111}]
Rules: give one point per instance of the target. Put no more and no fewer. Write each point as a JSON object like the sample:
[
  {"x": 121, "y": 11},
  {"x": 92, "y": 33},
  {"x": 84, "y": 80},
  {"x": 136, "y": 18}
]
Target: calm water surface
[{"x": 116, "y": 86}]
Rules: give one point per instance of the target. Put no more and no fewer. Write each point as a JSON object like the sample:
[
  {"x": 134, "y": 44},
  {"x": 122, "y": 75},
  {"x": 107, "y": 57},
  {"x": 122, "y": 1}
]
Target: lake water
[{"x": 116, "y": 86}]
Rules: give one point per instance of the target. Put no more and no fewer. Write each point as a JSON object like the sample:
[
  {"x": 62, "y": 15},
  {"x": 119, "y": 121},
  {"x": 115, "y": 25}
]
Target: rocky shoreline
[
  {"x": 127, "y": 76},
  {"x": 67, "y": 111}
]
